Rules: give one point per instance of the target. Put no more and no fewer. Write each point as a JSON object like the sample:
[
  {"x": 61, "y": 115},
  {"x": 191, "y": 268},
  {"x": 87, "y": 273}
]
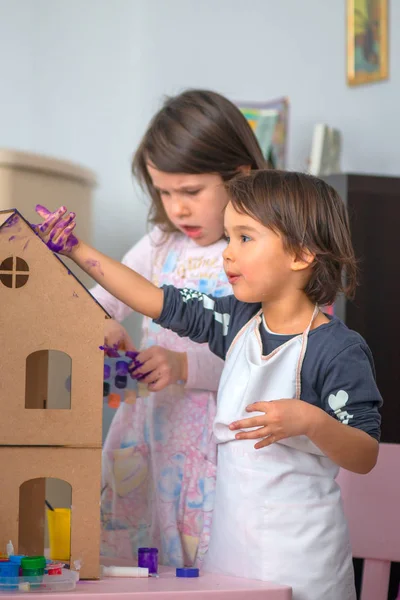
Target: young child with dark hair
[{"x": 297, "y": 382}]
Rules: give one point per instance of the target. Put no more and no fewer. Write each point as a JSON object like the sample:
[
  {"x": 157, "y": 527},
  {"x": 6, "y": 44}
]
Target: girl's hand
[
  {"x": 162, "y": 366},
  {"x": 281, "y": 419},
  {"x": 56, "y": 229},
  {"x": 116, "y": 336}
]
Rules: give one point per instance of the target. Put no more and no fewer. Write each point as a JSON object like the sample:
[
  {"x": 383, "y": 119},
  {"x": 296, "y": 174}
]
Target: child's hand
[
  {"x": 56, "y": 230},
  {"x": 116, "y": 336},
  {"x": 163, "y": 367},
  {"x": 282, "y": 419}
]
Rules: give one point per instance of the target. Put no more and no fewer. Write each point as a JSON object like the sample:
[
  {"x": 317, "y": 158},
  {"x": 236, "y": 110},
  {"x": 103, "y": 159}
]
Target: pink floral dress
[{"x": 159, "y": 458}]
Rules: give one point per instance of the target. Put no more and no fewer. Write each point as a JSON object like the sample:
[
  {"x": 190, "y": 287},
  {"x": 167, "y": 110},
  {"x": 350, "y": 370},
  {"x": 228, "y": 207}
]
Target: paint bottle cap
[
  {"x": 187, "y": 572},
  {"x": 33, "y": 562},
  {"x": 16, "y": 558}
]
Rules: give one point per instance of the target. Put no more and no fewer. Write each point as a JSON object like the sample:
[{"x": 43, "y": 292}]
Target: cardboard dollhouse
[{"x": 43, "y": 307}]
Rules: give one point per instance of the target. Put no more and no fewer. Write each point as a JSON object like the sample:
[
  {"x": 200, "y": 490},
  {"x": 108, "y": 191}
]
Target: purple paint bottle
[
  {"x": 121, "y": 382},
  {"x": 121, "y": 367},
  {"x": 148, "y": 557},
  {"x": 106, "y": 385}
]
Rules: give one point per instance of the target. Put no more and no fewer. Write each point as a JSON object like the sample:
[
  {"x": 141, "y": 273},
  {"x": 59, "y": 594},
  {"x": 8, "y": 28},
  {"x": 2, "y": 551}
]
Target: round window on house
[{"x": 14, "y": 272}]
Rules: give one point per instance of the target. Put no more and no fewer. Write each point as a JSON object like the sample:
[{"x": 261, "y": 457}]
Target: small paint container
[
  {"x": 59, "y": 522},
  {"x": 54, "y": 568},
  {"x": 121, "y": 367},
  {"x": 33, "y": 567},
  {"x": 8, "y": 575},
  {"x": 16, "y": 559},
  {"x": 121, "y": 381},
  {"x": 148, "y": 559}
]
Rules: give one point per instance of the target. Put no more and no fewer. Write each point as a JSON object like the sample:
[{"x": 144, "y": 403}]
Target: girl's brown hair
[
  {"x": 309, "y": 215},
  {"x": 195, "y": 132}
]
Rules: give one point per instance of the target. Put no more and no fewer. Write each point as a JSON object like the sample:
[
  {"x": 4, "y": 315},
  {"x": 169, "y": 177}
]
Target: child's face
[
  {"x": 256, "y": 263},
  {"x": 193, "y": 203}
]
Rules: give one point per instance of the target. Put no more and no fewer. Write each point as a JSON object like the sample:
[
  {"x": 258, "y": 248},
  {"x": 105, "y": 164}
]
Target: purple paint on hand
[
  {"x": 42, "y": 209},
  {"x": 111, "y": 351},
  {"x": 65, "y": 241},
  {"x": 95, "y": 264}
]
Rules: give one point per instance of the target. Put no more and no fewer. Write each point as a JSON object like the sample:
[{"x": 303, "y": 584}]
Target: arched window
[
  {"x": 38, "y": 523},
  {"x": 48, "y": 380}
]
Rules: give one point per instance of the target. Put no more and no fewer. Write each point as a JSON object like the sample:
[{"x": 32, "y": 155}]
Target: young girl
[
  {"x": 159, "y": 458},
  {"x": 297, "y": 381}
]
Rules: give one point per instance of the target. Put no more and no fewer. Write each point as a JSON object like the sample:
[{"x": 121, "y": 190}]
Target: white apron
[{"x": 278, "y": 512}]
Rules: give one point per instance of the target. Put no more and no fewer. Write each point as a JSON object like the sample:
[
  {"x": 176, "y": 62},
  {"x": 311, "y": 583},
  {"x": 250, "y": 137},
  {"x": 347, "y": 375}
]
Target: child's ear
[
  {"x": 245, "y": 169},
  {"x": 302, "y": 261}
]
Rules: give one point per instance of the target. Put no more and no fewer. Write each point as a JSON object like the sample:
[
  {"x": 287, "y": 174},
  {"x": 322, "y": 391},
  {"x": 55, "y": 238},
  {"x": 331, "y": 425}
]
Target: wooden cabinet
[{"x": 374, "y": 208}]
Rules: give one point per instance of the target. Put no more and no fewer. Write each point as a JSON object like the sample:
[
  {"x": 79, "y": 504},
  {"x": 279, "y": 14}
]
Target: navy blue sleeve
[
  {"x": 203, "y": 318},
  {"x": 349, "y": 392}
]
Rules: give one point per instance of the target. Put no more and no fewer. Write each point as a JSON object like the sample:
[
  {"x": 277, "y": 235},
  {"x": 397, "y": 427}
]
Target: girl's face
[
  {"x": 255, "y": 261},
  {"x": 194, "y": 203}
]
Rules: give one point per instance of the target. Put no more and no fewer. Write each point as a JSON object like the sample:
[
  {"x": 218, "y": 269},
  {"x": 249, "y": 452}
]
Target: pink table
[{"x": 168, "y": 587}]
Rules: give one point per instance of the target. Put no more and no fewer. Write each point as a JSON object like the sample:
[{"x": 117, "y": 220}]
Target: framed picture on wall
[
  {"x": 367, "y": 41},
  {"x": 269, "y": 121}
]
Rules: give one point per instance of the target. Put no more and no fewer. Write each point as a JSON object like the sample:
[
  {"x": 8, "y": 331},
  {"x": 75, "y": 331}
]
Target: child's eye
[
  {"x": 226, "y": 238},
  {"x": 245, "y": 238},
  {"x": 163, "y": 193},
  {"x": 192, "y": 192}
]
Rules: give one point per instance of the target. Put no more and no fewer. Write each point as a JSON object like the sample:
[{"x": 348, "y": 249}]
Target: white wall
[{"x": 81, "y": 78}]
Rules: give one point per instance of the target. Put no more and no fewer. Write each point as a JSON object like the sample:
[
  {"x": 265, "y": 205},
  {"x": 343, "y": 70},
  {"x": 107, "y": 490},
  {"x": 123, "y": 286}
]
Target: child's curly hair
[{"x": 309, "y": 215}]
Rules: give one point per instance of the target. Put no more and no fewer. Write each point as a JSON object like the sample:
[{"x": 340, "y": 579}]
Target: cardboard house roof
[
  {"x": 45, "y": 308},
  {"x": 7, "y": 216}
]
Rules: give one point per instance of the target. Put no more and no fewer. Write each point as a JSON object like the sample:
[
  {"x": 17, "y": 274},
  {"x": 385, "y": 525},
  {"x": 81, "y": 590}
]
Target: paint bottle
[
  {"x": 106, "y": 385},
  {"x": 121, "y": 382},
  {"x": 10, "y": 549},
  {"x": 148, "y": 558},
  {"x": 121, "y": 369}
]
